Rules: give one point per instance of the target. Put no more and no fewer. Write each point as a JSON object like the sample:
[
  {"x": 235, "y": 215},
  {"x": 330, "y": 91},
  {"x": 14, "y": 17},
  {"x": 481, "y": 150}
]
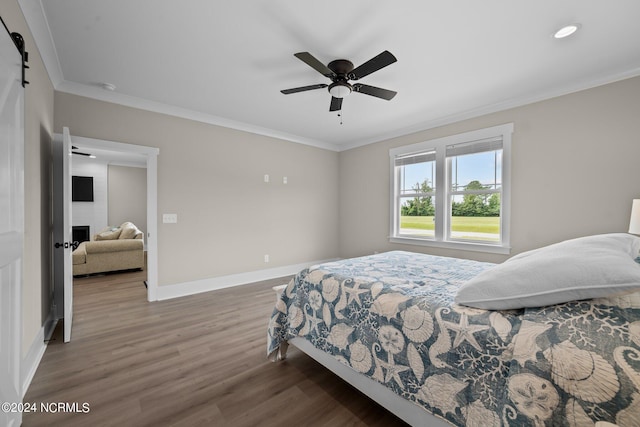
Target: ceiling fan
[
  {"x": 340, "y": 72},
  {"x": 79, "y": 153}
]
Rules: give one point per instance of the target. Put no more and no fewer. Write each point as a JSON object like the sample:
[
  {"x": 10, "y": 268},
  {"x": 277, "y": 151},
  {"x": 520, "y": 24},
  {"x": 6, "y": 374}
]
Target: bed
[{"x": 389, "y": 325}]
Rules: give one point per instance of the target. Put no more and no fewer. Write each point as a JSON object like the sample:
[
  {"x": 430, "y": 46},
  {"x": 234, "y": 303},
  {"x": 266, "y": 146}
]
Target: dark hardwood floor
[{"x": 196, "y": 360}]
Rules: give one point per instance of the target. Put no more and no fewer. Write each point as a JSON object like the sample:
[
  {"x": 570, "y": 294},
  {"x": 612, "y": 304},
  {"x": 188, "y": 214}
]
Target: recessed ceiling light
[{"x": 566, "y": 31}]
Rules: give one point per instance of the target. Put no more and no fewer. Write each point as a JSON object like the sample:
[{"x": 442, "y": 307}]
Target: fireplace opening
[{"x": 80, "y": 233}]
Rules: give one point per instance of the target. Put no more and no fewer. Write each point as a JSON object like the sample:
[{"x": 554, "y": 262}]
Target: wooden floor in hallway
[{"x": 195, "y": 360}]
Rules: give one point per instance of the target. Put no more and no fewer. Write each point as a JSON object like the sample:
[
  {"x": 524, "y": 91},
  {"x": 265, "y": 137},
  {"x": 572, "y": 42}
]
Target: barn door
[{"x": 11, "y": 227}]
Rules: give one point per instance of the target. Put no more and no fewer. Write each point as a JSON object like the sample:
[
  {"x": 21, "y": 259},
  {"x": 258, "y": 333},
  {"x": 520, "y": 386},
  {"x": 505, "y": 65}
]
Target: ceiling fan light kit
[
  {"x": 340, "y": 71},
  {"x": 340, "y": 89}
]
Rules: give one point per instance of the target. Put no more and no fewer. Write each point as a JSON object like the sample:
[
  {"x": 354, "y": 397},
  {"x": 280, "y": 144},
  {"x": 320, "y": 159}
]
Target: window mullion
[
  {"x": 414, "y": 195},
  {"x": 475, "y": 192},
  {"x": 441, "y": 183}
]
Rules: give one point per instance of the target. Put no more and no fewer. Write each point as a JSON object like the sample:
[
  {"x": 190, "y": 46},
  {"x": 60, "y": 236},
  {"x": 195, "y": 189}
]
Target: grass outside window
[{"x": 462, "y": 227}]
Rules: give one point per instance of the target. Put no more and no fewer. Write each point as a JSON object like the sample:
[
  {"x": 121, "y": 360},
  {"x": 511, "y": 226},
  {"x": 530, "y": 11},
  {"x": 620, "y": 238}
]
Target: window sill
[{"x": 463, "y": 246}]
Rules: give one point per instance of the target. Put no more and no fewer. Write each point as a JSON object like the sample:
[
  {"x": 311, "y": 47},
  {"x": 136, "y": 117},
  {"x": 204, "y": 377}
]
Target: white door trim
[
  {"x": 67, "y": 235},
  {"x": 151, "y": 154}
]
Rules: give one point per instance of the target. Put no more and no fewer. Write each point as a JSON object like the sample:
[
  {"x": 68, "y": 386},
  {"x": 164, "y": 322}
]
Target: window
[
  {"x": 453, "y": 192},
  {"x": 417, "y": 193}
]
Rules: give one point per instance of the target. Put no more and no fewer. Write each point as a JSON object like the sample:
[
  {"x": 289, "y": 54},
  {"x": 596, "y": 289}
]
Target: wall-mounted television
[{"x": 82, "y": 188}]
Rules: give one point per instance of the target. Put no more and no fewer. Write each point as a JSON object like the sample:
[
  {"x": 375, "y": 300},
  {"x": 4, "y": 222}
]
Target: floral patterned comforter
[{"x": 392, "y": 318}]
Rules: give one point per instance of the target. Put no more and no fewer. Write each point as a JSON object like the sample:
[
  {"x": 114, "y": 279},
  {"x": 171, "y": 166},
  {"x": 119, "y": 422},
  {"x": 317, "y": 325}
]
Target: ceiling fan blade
[
  {"x": 336, "y": 104},
  {"x": 374, "y": 64},
  {"x": 312, "y": 62},
  {"x": 374, "y": 91},
  {"x": 303, "y": 88}
]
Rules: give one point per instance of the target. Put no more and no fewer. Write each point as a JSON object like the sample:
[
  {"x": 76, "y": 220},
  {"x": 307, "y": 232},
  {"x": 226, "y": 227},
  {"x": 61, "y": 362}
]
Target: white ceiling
[
  {"x": 116, "y": 158},
  {"x": 226, "y": 62}
]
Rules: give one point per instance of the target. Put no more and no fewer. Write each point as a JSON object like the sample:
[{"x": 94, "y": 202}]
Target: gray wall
[
  {"x": 212, "y": 178},
  {"x": 575, "y": 171},
  {"x": 127, "y": 197}
]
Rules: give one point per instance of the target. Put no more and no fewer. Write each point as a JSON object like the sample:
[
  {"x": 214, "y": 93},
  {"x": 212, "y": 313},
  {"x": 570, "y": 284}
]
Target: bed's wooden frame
[{"x": 400, "y": 407}]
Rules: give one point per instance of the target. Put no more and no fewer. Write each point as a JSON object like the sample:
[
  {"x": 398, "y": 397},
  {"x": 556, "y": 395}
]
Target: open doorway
[
  {"x": 125, "y": 155},
  {"x": 135, "y": 155},
  {"x": 109, "y": 216}
]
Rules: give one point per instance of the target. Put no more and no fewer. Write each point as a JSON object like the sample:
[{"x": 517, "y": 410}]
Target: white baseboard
[
  {"x": 221, "y": 282},
  {"x": 32, "y": 360},
  {"x": 30, "y": 363},
  {"x": 50, "y": 323}
]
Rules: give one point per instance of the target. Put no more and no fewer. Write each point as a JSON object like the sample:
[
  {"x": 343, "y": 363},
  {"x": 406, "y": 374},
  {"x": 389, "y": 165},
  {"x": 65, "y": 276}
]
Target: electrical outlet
[
  {"x": 284, "y": 180},
  {"x": 266, "y": 258},
  {"x": 266, "y": 178}
]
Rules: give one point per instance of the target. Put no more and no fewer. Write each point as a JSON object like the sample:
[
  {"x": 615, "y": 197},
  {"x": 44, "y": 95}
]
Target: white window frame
[{"x": 442, "y": 238}]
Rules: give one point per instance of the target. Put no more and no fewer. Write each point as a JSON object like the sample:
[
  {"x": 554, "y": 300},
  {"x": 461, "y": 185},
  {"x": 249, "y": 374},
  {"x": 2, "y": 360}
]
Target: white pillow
[{"x": 587, "y": 267}]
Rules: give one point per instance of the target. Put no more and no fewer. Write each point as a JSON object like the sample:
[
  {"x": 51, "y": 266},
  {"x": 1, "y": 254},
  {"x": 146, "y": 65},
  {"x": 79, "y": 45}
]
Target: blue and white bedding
[{"x": 392, "y": 318}]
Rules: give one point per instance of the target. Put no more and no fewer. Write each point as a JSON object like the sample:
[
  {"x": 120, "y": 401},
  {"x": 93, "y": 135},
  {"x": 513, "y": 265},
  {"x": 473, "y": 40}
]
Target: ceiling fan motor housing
[
  {"x": 341, "y": 67},
  {"x": 340, "y": 86}
]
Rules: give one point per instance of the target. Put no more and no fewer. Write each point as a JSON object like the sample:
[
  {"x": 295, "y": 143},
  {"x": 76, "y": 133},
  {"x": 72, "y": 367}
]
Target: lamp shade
[{"x": 634, "y": 224}]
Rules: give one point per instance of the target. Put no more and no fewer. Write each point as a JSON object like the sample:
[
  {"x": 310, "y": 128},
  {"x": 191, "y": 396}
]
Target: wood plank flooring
[{"x": 196, "y": 360}]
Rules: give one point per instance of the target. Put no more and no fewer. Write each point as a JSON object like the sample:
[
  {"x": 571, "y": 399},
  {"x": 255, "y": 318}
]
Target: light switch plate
[{"x": 169, "y": 218}]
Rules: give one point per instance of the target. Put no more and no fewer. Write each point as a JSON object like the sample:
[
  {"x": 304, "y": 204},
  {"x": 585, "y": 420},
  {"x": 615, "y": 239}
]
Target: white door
[
  {"x": 11, "y": 226},
  {"x": 68, "y": 233}
]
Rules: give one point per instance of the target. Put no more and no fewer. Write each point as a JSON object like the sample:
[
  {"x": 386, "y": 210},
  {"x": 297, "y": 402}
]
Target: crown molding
[
  {"x": 496, "y": 107},
  {"x": 39, "y": 27},
  {"x": 95, "y": 92},
  {"x": 37, "y": 22}
]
